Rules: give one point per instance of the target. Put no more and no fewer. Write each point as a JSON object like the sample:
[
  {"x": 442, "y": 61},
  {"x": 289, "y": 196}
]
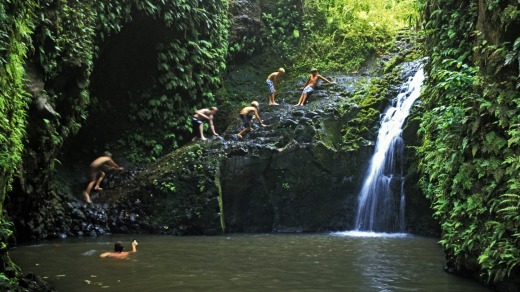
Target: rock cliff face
[
  {"x": 292, "y": 176},
  {"x": 295, "y": 175}
]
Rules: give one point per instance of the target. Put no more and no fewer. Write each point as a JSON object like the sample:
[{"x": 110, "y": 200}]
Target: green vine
[
  {"x": 190, "y": 64},
  {"x": 469, "y": 154},
  {"x": 16, "y": 27},
  {"x": 341, "y": 35}
]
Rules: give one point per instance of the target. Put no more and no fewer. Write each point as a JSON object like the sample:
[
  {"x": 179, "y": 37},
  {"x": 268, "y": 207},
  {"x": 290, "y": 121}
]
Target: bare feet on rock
[{"x": 87, "y": 198}]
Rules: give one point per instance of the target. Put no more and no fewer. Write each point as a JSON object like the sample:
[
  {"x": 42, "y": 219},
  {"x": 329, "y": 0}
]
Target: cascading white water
[{"x": 381, "y": 199}]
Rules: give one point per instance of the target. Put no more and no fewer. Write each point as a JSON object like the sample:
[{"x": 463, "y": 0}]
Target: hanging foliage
[
  {"x": 48, "y": 49},
  {"x": 16, "y": 27},
  {"x": 470, "y": 149}
]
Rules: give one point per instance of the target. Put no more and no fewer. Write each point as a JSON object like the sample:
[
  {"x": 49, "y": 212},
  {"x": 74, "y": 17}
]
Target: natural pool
[{"x": 239, "y": 262}]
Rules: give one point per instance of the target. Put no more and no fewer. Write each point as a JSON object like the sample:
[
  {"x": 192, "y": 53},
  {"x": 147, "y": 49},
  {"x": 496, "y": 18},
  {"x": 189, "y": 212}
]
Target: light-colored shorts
[
  {"x": 308, "y": 89},
  {"x": 271, "y": 85}
]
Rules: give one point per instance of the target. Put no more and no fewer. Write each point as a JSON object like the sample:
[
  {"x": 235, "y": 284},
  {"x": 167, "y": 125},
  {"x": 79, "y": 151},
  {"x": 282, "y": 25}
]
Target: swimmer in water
[{"x": 118, "y": 251}]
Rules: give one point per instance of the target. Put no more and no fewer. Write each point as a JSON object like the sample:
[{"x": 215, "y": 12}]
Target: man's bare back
[
  {"x": 101, "y": 161},
  {"x": 274, "y": 77}
]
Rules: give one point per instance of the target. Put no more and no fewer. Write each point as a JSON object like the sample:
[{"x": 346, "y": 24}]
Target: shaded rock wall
[
  {"x": 291, "y": 180},
  {"x": 283, "y": 178},
  {"x": 292, "y": 176},
  {"x": 70, "y": 40},
  {"x": 296, "y": 175}
]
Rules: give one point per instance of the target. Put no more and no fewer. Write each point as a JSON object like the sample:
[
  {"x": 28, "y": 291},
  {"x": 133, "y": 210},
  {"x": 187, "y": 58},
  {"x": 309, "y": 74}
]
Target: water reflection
[
  {"x": 311, "y": 262},
  {"x": 356, "y": 233}
]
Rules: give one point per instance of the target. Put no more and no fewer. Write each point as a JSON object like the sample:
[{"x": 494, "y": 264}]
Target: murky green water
[{"x": 310, "y": 262}]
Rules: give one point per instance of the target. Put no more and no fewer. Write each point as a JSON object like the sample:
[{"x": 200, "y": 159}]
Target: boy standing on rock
[
  {"x": 309, "y": 86},
  {"x": 197, "y": 121},
  {"x": 97, "y": 173},
  {"x": 271, "y": 81},
  {"x": 246, "y": 114}
]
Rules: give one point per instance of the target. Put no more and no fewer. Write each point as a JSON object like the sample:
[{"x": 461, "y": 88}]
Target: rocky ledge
[{"x": 295, "y": 175}]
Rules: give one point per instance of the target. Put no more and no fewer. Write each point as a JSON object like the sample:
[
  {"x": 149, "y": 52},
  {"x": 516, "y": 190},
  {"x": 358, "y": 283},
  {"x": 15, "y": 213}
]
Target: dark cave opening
[{"x": 125, "y": 68}]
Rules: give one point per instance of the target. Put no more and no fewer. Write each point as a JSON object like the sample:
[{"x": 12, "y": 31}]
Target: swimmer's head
[
  {"x": 214, "y": 108},
  {"x": 118, "y": 247},
  {"x": 281, "y": 70},
  {"x": 255, "y": 103},
  {"x": 106, "y": 153}
]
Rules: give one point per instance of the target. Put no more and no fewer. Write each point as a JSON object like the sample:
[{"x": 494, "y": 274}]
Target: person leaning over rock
[
  {"x": 271, "y": 81},
  {"x": 197, "y": 121},
  {"x": 118, "y": 251},
  {"x": 309, "y": 86},
  {"x": 246, "y": 114},
  {"x": 97, "y": 173}
]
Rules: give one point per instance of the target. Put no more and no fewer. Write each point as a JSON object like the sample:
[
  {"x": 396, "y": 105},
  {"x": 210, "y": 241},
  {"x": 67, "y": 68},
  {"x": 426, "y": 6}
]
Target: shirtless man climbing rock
[
  {"x": 97, "y": 173},
  {"x": 310, "y": 85}
]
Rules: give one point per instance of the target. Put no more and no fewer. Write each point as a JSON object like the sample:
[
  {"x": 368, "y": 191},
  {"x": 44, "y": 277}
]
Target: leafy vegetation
[
  {"x": 336, "y": 35},
  {"x": 470, "y": 149},
  {"x": 190, "y": 63},
  {"x": 16, "y": 27},
  {"x": 196, "y": 207},
  {"x": 15, "y": 35},
  {"x": 57, "y": 42},
  {"x": 363, "y": 110},
  {"x": 470, "y": 153}
]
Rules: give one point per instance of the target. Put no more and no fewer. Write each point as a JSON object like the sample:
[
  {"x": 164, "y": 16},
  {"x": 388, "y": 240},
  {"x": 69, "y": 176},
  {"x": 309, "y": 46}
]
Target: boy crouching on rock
[{"x": 246, "y": 114}]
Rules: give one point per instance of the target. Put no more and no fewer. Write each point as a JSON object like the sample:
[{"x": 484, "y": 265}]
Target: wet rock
[
  {"x": 76, "y": 213},
  {"x": 304, "y": 120},
  {"x": 292, "y": 176},
  {"x": 10, "y": 272},
  {"x": 311, "y": 114},
  {"x": 246, "y": 23},
  {"x": 304, "y": 134},
  {"x": 283, "y": 229},
  {"x": 289, "y": 123},
  {"x": 298, "y": 113},
  {"x": 31, "y": 282}
]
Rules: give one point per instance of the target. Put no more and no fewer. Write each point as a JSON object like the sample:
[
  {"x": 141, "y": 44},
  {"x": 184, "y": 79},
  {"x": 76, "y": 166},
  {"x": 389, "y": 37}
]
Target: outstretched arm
[{"x": 325, "y": 79}]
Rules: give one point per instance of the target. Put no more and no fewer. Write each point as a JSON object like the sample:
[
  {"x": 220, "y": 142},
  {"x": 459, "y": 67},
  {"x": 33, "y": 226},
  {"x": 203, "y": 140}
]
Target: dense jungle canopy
[{"x": 79, "y": 77}]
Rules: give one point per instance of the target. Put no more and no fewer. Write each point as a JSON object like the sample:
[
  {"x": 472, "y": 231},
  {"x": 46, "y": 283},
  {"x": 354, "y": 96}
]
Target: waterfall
[{"x": 381, "y": 199}]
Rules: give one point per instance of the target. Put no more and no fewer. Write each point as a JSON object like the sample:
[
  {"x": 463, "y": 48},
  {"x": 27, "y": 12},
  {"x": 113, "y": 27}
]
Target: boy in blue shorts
[
  {"x": 271, "y": 81},
  {"x": 309, "y": 86}
]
